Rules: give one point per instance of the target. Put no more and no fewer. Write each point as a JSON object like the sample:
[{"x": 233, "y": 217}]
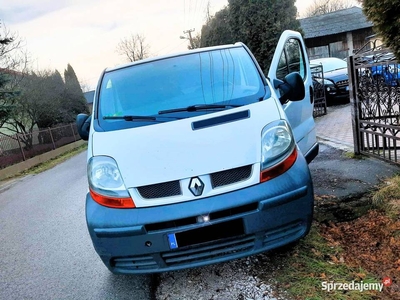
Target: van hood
[{"x": 189, "y": 147}]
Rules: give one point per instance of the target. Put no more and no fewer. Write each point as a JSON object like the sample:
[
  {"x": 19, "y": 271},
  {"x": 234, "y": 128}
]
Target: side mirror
[
  {"x": 292, "y": 87},
  {"x": 83, "y": 125}
]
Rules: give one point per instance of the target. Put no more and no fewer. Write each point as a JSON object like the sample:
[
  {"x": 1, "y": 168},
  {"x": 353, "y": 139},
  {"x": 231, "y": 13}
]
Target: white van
[{"x": 198, "y": 158}]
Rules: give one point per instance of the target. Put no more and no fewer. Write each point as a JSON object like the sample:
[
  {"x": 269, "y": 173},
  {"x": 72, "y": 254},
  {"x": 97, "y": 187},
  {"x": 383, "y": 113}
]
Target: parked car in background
[
  {"x": 335, "y": 78},
  {"x": 388, "y": 74},
  {"x": 382, "y": 69}
]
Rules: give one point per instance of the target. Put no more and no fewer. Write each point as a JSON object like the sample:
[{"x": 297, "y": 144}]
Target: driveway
[{"x": 335, "y": 128}]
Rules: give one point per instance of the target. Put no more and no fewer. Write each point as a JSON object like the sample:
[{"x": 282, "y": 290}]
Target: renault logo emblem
[{"x": 196, "y": 186}]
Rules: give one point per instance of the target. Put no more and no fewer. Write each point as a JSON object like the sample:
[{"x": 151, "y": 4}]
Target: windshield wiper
[
  {"x": 130, "y": 118},
  {"x": 196, "y": 108}
]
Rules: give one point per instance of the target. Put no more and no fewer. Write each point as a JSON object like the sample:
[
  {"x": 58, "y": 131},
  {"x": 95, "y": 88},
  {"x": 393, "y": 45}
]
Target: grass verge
[
  {"x": 313, "y": 261},
  {"x": 352, "y": 155},
  {"x": 363, "y": 250},
  {"x": 387, "y": 198},
  {"x": 51, "y": 163}
]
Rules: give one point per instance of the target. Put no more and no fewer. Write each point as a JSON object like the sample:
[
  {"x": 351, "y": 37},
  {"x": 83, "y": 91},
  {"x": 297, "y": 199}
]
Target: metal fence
[
  {"x": 318, "y": 90},
  {"x": 375, "y": 94},
  {"x": 19, "y": 147}
]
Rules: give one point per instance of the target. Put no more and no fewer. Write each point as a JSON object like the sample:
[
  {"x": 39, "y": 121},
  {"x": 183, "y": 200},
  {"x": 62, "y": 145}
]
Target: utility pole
[{"x": 189, "y": 32}]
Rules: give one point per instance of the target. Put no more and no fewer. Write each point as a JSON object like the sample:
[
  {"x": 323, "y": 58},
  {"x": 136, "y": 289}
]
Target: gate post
[{"x": 355, "y": 117}]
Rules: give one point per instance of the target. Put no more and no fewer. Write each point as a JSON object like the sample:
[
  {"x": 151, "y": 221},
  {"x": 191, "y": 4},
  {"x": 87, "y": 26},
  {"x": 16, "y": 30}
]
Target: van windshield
[{"x": 214, "y": 80}]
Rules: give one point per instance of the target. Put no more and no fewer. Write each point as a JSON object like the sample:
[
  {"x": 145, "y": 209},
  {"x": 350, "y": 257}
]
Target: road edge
[{"x": 16, "y": 169}]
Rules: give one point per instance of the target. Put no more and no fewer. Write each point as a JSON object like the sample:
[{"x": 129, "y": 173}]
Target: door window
[{"x": 291, "y": 60}]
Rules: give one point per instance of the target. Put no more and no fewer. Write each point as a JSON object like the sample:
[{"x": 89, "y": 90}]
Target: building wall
[
  {"x": 360, "y": 37},
  {"x": 337, "y": 45}
]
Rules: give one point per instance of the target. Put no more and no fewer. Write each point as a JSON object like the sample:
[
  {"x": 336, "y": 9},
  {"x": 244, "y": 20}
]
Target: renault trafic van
[{"x": 198, "y": 158}]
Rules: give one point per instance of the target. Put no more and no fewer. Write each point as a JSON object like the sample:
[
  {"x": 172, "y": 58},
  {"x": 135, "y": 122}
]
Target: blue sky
[{"x": 85, "y": 33}]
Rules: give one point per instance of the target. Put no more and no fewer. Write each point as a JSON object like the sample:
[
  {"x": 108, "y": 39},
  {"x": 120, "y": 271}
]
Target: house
[
  {"x": 89, "y": 96},
  {"x": 336, "y": 34}
]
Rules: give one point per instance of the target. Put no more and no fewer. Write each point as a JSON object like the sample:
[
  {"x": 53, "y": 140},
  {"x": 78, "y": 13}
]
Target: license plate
[
  {"x": 206, "y": 234},
  {"x": 173, "y": 244}
]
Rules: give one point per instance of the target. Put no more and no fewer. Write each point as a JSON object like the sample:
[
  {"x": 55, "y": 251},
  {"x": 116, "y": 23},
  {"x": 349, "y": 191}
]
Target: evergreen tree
[
  {"x": 52, "y": 94},
  {"x": 71, "y": 81},
  {"x": 216, "y": 31},
  {"x": 257, "y": 23},
  {"x": 73, "y": 101},
  {"x": 385, "y": 16}
]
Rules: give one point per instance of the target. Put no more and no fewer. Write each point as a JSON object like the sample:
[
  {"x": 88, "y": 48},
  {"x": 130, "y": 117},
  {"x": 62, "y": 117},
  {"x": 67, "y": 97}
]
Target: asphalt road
[{"x": 45, "y": 249}]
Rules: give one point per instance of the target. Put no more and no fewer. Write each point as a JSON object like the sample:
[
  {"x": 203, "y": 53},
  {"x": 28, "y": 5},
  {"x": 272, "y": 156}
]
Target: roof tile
[{"x": 339, "y": 21}]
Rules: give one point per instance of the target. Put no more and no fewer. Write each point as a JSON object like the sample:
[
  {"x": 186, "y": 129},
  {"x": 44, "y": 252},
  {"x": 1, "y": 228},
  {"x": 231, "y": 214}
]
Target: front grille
[
  {"x": 226, "y": 177},
  {"x": 223, "y": 248},
  {"x": 140, "y": 262},
  {"x": 342, "y": 83},
  {"x": 160, "y": 190},
  {"x": 173, "y": 188},
  {"x": 209, "y": 252}
]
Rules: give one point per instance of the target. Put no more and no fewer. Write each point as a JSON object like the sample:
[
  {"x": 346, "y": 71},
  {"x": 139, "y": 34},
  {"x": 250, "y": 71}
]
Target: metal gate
[
  {"x": 375, "y": 97},
  {"x": 318, "y": 90}
]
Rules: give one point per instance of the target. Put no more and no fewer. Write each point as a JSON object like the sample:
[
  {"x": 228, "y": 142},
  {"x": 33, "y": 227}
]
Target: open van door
[{"x": 291, "y": 56}]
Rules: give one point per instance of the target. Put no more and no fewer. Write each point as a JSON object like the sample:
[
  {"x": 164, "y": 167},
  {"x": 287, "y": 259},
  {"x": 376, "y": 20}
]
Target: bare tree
[
  {"x": 45, "y": 100},
  {"x": 30, "y": 105},
  {"x": 134, "y": 47},
  {"x": 321, "y": 7},
  {"x": 13, "y": 54},
  {"x": 13, "y": 65},
  {"x": 208, "y": 12}
]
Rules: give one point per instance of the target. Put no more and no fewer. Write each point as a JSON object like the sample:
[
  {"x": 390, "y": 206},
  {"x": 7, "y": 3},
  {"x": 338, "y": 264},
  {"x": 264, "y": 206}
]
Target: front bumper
[
  {"x": 247, "y": 221},
  {"x": 339, "y": 95}
]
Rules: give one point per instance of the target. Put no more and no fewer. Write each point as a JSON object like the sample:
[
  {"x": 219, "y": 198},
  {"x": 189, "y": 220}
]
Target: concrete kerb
[
  {"x": 34, "y": 161},
  {"x": 336, "y": 144}
]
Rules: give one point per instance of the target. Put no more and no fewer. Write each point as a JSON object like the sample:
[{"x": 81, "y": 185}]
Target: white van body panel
[
  {"x": 299, "y": 113},
  {"x": 139, "y": 151}
]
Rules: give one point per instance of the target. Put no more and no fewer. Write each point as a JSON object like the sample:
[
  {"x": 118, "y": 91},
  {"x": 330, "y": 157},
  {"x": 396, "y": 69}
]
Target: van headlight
[
  {"x": 278, "y": 150},
  {"x": 106, "y": 184}
]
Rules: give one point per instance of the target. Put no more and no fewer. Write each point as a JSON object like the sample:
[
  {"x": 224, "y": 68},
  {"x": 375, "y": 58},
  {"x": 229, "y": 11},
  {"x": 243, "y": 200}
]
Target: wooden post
[
  {"x": 52, "y": 140},
  {"x": 73, "y": 132},
  {"x": 20, "y": 147}
]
